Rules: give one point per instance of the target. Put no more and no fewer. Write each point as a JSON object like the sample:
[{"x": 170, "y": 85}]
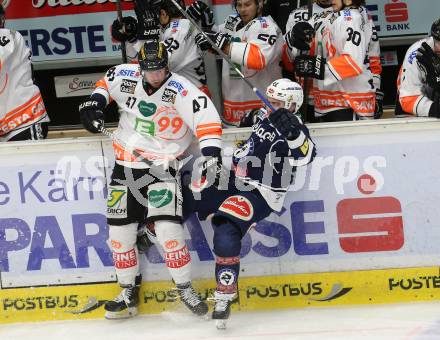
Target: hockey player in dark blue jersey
[{"x": 262, "y": 170}]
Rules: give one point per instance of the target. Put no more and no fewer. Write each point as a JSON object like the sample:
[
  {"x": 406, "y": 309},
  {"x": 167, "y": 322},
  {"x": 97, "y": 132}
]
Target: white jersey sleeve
[
  {"x": 412, "y": 88},
  {"x": 21, "y": 104},
  {"x": 262, "y": 46},
  {"x": 184, "y": 57},
  {"x": 351, "y": 37}
]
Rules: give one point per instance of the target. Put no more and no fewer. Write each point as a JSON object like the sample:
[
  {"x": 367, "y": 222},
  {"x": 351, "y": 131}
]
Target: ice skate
[
  {"x": 222, "y": 308},
  {"x": 191, "y": 299},
  {"x": 125, "y": 304}
]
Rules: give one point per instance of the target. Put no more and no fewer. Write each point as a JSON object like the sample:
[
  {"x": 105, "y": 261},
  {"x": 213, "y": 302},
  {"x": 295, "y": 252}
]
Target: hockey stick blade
[{"x": 92, "y": 304}]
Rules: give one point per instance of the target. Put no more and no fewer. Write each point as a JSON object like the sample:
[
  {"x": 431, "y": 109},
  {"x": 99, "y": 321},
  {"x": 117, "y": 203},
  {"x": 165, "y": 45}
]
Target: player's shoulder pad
[
  {"x": 126, "y": 71},
  {"x": 179, "y": 84},
  {"x": 232, "y": 21}
]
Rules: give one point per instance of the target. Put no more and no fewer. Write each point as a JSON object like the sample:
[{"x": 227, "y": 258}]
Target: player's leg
[
  {"x": 123, "y": 213},
  {"x": 165, "y": 211},
  {"x": 234, "y": 218}
]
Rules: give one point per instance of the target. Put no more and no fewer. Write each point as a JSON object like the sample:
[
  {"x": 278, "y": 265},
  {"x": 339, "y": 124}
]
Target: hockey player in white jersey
[
  {"x": 160, "y": 112},
  {"x": 299, "y": 33},
  {"x": 345, "y": 89},
  {"x": 419, "y": 78},
  {"x": 322, "y": 18},
  {"x": 23, "y": 115},
  {"x": 176, "y": 32},
  {"x": 254, "y": 44}
]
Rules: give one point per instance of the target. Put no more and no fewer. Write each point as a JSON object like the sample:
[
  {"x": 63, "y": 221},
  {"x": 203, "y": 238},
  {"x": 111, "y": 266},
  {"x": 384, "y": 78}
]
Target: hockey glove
[
  {"x": 220, "y": 39},
  {"x": 199, "y": 11},
  {"x": 310, "y": 66},
  {"x": 91, "y": 114},
  {"x": 300, "y": 36},
  {"x": 148, "y": 27},
  {"x": 249, "y": 119},
  {"x": 434, "y": 110},
  {"x": 431, "y": 62},
  {"x": 125, "y": 31},
  {"x": 210, "y": 171},
  {"x": 287, "y": 123},
  {"x": 378, "y": 112}
]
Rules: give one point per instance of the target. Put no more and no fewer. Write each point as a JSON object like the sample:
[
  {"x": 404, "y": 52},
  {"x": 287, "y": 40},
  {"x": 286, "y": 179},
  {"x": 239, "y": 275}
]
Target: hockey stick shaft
[
  {"x": 306, "y": 79},
  {"x": 257, "y": 92},
  {"x": 123, "y": 48}
]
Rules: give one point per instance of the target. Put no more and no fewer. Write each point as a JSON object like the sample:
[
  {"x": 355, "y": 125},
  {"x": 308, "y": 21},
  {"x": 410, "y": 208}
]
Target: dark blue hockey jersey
[{"x": 267, "y": 161}]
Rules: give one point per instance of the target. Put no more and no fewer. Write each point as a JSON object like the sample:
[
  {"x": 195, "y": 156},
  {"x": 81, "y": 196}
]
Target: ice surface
[{"x": 394, "y": 321}]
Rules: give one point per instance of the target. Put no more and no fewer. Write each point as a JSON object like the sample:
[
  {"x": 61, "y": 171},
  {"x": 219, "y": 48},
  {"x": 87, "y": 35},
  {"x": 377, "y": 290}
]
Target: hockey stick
[
  {"x": 224, "y": 56},
  {"x": 306, "y": 82},
  {"x": 92, "y": 304},
  {"x": 123, "y": 48}
]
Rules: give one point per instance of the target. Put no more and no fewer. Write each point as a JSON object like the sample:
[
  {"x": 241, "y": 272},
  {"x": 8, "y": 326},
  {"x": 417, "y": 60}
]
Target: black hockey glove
[
  {"x": 249, "y": 119},
  {"x": 300, "y": 36},
  {"x": 148, "y": 27},
  {"x": 125, "y": 31},
  {"x": 210, "y": 171},
  {"x": 198, "y": 10},
  {"x": 434, "y": 110},
  {"x": 378, "y": 111},
  {"x": 91, "y": 114},
  {"x": 287, "y": 123},
  {"x": 220, "y": 39},
  {"x": 431, "y": 62},
  {"x": 310, "y": 66}
]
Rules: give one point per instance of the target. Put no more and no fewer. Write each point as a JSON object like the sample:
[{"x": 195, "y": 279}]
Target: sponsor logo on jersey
[
  {"x": 147, "y": 109},
  {"x": 226, "y": 277},
  {"x": 116, "y": 244},
  {"x": 160, "y": 198},
  {"x": 144, "y": 127},
  {"x": 179, "y": 87},
  {"x": 170, "y": 244},
  {"x": 125, "y": 260},
  {"x": 261, "y": 132},
  {"x": 238, "y": 206},
  {"x": 169, "y": 96},
  {"x": 174, "y": 26},
  {"x": 244, "y": 150},
  {"x": 177, "y": 258},
  {"x": 117, "y": 202},
  {"x": 128, "y": 73},
  {"x": 128, "y": 86}
]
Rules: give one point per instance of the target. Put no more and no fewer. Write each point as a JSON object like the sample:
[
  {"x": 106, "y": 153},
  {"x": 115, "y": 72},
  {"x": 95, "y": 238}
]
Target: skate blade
[
  {"x": 123, "y": 314},
  {"x": 220, "y": 324}
]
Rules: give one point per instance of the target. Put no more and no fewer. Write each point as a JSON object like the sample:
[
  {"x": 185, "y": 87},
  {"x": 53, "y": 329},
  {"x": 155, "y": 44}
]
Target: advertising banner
[
  {"x": 368, "y": 201},
  {"x": 76, "y": 85},
  {"x": 66, "y": 29},
  {"x": 403, "y": 17}
]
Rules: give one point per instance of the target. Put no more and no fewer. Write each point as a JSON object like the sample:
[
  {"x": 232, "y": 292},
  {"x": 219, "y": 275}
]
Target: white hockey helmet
[{"x": 286, "y": 91}]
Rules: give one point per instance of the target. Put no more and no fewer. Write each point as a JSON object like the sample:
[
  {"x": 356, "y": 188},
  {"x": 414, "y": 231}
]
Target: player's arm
[
  {"x": 92, "y": 109},
  {"x": 260, "y": 49},
  {"x": 414, "y": 75},
  {"x": 301, "y": 147},
  {"x": 200, "y": 114}
]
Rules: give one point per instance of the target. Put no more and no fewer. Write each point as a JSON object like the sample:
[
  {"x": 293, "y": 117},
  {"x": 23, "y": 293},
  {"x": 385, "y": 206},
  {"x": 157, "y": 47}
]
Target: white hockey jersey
[
  {"x": 414, "y": 93},
  {"x": 159, "y": 126},
  {"x": 184, "y": 57},
  {"x": 348, "y": 82},
  {"x": 256, "y": 50},
  {"x": 21, "y": 104},
  {"x": 301, "y": 14}
]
